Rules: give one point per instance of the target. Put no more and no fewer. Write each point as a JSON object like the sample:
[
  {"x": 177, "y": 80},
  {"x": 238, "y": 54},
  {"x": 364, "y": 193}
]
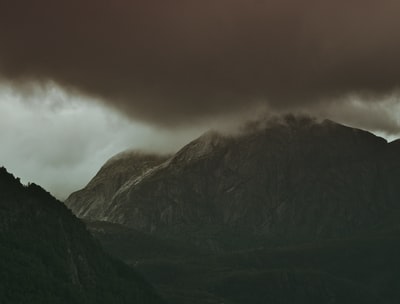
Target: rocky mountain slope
[
  {"x": 293, "y": 178},
  {"x": 99, "y": 193},
  {"x": 48, "y": 256}
]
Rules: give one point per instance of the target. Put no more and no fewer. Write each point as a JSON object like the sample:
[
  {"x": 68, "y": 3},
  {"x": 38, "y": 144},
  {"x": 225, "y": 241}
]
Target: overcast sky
[
  {"x": 81, "y": 80},
  {"x": 60, "y": 141}
]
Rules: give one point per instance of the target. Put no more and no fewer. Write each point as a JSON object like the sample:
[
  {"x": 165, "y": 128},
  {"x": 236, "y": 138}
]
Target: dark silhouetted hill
[{"x": 48, "y": 256}]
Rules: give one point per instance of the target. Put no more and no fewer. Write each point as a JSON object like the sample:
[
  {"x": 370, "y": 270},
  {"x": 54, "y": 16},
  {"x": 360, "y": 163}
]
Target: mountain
[
  {"x": 98, "y": 194},
  {"x": 292, "y": 210},
  {"x": 295, "y": 178},
  {"x": 48, "y": 256},
  {"x": 132, "y": 246}
]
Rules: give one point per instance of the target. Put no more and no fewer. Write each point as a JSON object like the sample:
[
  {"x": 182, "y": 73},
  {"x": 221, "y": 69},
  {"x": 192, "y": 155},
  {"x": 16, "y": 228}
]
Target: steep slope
[
  {"x": 391, "y": 186},
  {"x": 99, "y": 193},
  {"x": 48, "y": 256},
  {"x": 293, "y": 211},
  {"x": 132, "y": 246},
  {"x": 291, "y": 179}
]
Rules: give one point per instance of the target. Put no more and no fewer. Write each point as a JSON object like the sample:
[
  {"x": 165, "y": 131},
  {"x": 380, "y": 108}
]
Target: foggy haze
[{"x": 60, "y": 141}]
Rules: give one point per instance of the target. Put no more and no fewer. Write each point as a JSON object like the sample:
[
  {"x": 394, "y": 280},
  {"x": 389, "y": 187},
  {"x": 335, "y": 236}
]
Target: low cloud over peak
[{"x": 178, "y": 62}]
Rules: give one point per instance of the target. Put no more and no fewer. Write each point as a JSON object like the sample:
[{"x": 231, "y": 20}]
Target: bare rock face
[
  {"x": 293, "y": 178},
  {"x": 98, "y": 194}
]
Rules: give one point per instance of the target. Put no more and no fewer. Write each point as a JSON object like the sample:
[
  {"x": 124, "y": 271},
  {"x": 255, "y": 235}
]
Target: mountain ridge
[
  {"x": 48, "y": 256},
  {"x": 262, "y": 180},
  {"x": 110, "y": 178}
]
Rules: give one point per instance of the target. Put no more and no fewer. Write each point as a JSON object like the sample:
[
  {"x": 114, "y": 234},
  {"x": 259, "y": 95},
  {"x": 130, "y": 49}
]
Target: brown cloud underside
[{"x": 172, "y": 62}]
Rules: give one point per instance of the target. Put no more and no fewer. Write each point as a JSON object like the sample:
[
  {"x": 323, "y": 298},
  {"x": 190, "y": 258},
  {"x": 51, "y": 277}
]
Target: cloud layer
[
  {"x": 60, "y": 141},
  {"x": 181, "y": 61}
]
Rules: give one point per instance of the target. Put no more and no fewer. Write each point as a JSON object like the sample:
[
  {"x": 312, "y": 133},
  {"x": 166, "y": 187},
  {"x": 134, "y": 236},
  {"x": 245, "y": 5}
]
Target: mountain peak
[
  {"x": 120, "y": 169},
  {"x": 133, "y": 155},
  {"x": 262, "y": 179},
  {"x": 201, "y": 147}
]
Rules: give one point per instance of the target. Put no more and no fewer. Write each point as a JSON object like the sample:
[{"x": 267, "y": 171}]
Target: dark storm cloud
[{"x": 172, "y": 62}]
